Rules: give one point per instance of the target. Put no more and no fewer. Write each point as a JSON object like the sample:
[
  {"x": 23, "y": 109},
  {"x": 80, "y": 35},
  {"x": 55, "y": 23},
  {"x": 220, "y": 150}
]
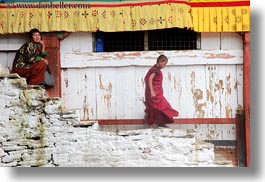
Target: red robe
[
  {"x": 34, "y": 75},
  {"x": 28, "y": 64},
  {"x": 158, "y": 110}
]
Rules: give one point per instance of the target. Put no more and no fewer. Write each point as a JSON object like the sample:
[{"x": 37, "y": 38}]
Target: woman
[
  {"x": 30, "y": 61},
  {"x": 158, "y": 111}
]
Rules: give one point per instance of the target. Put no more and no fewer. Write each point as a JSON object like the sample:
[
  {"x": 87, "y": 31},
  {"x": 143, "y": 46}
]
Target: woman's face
[{"x": 36, "y": 37}]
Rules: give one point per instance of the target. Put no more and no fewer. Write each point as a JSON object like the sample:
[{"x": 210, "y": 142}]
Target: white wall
[
  {"x": 79, "y": 42},
  {"x": 216, "y": 41},
  {"x": 204, "y": 83},
  {"x": 8, "y": 46},
  {"x": 110, "y": 85}
]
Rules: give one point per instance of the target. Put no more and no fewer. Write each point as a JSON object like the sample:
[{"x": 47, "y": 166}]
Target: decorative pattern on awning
[
  {"x": 109, "y": 17},
  {"x": 221, "y": 15},
  {"x": 202, "y": 16}
]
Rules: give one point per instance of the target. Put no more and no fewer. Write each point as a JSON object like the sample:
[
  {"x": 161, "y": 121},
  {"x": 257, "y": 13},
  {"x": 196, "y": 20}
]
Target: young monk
[
  {"x": 30, "y": 61},
  {"x": 158, "y": 111}
]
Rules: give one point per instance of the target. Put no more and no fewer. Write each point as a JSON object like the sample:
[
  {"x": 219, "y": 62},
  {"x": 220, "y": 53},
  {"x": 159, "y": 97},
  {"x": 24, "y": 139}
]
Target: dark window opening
[
  {"x": 119, "y": 41},
  {"x": 165, "y": 39},
  {"x": 172, "y": 39}
]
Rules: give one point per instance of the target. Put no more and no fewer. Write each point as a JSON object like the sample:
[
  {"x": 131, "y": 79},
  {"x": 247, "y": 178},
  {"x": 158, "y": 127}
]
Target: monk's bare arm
[{"x": 150, "y": 83}]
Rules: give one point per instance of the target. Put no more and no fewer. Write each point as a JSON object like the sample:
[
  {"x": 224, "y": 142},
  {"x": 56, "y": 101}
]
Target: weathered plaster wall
[
  {"x": 204, "y": 83},
  {"x": 200, "y": 83},
  {"x": 39, "y": 131}
]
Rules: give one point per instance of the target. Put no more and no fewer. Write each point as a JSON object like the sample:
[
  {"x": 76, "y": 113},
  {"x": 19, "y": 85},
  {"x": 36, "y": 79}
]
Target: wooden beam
[
  {"x": 246, "y": 93},
  {"x": 176, "y": 121},
  {"x": 241, "y": 135},
  {"x": 177, "y": 58},
  {"x": 53, "y": 55},
  {"x": 9, "y": 47}
]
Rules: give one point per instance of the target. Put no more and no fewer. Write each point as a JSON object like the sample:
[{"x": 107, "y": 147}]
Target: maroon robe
[
  {"x": 158, "y": 110},
  {"x": 34, "y": 75},
  {"x": 28, "y": 64}
]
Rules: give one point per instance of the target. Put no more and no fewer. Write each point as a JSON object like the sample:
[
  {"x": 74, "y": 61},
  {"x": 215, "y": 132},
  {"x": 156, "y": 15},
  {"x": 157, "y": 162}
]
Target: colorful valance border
[{"x": 201, "y": 16}]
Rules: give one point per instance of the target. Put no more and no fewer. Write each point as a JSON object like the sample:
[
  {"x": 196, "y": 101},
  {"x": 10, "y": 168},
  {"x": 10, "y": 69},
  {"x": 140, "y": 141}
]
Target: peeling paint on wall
[
  {"x": 143, "y": 84},
  {"x": 169, "y": 76},
  {"x": 228, "y": 84},
  {"x": 100, "y": 82},
  {"x": 107, "y": 91},
  {"x": 199, "y": 91},
  {"x": 228, "y": 111},
  {"x": 197, "y": 97},
  {"x": 220, "y": 55},
  {"x": 85, "y": 108}
]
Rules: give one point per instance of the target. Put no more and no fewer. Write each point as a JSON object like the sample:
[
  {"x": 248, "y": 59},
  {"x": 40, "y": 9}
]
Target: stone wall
[{"x": 37, "y": 131}]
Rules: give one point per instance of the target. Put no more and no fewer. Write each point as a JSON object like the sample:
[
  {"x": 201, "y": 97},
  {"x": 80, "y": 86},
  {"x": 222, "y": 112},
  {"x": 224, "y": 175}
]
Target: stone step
[{"x": 221, "y": 160}]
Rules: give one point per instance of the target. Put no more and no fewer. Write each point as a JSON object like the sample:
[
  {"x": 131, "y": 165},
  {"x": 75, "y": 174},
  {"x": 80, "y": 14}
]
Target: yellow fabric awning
[
  {"x": 202, "y": 16},
  {"x": 221, "y": 15},
  {"x": 95, "y": 16}
]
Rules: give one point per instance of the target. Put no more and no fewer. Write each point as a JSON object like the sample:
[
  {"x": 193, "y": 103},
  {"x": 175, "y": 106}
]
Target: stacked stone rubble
[{"x": 39, "y": 131}]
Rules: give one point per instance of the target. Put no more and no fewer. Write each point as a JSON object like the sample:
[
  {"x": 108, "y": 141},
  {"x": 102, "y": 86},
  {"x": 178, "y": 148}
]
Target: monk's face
[
  {"x": 36, "y": 37},
  {"x": 162, "y": 64}
]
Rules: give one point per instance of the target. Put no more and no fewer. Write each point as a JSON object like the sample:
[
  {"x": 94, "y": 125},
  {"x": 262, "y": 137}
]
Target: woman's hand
[
  {"x": 45, "y": 60},
  {"x": 43, "y": 45}
]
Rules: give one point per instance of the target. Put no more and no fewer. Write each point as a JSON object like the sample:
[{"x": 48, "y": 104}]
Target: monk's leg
[{"x": 162, "y": 119}]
